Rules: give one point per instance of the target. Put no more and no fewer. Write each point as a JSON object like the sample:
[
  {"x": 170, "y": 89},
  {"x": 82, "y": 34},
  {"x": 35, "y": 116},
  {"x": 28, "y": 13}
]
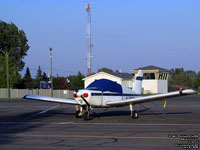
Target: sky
[{"x": 125, "y": 34}]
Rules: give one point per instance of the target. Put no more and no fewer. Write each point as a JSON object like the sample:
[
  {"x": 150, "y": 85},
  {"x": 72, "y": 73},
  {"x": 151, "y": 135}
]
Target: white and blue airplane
[{"x": 106, "y": 93}]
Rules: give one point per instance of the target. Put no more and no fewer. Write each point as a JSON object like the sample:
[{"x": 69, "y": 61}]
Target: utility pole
[
  {"x": 51, "y": 77},
  {"x": 89, "y": 39}
]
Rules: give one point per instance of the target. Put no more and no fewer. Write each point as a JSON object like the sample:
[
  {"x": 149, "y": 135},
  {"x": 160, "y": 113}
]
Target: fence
[{"x": 18, "y": 93}]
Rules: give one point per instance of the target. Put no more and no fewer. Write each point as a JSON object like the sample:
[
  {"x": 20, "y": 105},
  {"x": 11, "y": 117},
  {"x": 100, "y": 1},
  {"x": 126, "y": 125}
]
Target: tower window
[{"x": 149, "y": 76}]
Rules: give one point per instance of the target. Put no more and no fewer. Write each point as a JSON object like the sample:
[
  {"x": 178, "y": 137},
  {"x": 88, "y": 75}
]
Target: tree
[
  {"x": 39, "y": 74},
  {"x": 77, "y": 80},
  {"x": 105, "y": 70},
  {"x": 191, "y": 74},
  {"x": 44, "y": 77},
  {"x": 197, "y": 81},
  {"x": 2, "y": 73},
  {"x": 61, "y": 83},
  {"x": 180, "y": 78},
  {"x": 27, "y": 80},
  {"x": 179, "y": 71},
  {"x": 38, "y": 78},
  {"x": 13, "y": 43}
]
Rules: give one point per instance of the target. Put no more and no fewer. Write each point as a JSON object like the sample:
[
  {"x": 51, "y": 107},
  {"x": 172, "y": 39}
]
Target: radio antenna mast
[{"x": 89, "y": 39}]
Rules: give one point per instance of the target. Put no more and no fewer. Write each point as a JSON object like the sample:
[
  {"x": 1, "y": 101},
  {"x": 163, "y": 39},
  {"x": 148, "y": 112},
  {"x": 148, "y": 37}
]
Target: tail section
[{"x": 137, "y": 85}]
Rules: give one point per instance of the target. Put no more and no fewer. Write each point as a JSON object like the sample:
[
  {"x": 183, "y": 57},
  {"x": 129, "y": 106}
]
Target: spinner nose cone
[{"x": 79, "y": 94}]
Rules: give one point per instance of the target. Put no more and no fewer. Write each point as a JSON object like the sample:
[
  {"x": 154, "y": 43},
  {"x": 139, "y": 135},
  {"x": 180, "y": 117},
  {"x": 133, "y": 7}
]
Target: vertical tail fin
[{"x": 137, "y": 85}]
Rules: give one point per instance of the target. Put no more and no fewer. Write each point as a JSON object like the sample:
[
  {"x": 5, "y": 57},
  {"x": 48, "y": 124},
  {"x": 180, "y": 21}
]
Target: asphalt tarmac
[{"x": 28, "y": 124}]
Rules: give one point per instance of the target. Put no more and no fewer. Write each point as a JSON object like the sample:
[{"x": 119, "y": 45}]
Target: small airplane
[{"x": 105, "y": 93}]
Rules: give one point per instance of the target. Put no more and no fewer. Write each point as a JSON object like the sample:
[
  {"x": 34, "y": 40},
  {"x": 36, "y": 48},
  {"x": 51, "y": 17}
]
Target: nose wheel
[
  {"x": 83, "y": 112},
  {"x": 78, "y": 111},
  {"x": 86, "y": 113},
  {"x": 77, "y": 114},
  {"x": 86, "y": 116}
]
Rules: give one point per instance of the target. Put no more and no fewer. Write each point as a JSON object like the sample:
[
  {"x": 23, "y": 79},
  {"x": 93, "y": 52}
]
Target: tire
[
  {"x": 86, "y": 116},
  {"x": 135, "y": 115},
  {"x": 77, "y": 114}
]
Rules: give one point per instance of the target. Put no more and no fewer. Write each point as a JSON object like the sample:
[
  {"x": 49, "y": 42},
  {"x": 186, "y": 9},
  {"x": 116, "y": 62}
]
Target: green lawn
[
  {"x": 193, "y": 95},
  {"x": 7, "y": 99}
]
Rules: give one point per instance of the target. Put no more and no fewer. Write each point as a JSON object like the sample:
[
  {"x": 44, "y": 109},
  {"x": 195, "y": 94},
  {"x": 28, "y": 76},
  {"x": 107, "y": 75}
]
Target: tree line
[
  {"x": 27, "y": 82},
  {"x": 179, "y": 78}
]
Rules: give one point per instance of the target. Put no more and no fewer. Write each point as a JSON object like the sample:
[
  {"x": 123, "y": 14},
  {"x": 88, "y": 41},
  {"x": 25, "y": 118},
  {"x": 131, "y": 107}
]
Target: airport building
[{"x": 155, "y": 79}]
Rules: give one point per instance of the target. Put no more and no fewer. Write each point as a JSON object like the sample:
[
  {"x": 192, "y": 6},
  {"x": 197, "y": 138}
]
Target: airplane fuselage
[{"x": 99, "y": 99}]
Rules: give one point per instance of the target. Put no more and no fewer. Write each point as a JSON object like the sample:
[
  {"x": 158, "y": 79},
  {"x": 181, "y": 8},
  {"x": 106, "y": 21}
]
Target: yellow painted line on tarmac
[{"x": 92, "y": 136}]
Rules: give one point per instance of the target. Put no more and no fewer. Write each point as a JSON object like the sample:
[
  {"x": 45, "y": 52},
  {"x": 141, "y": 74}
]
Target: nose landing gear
[{"x": 83, "y": 112}]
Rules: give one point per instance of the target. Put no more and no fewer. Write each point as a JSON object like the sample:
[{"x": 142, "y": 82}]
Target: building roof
[
  {"x": 123, "y": 75},
  {"x": 151, "y": 67}
]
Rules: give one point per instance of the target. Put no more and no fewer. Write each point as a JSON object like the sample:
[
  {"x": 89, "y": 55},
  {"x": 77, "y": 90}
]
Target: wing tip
[{"x": 188, "y": 92}]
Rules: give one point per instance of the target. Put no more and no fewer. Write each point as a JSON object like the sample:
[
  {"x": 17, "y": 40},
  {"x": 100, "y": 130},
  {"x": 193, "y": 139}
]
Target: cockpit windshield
[{"x": 105, "y": 85}]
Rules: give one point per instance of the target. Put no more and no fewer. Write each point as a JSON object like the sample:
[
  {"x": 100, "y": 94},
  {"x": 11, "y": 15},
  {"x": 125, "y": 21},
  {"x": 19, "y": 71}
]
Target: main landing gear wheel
[{"x": 134, "y": 114}]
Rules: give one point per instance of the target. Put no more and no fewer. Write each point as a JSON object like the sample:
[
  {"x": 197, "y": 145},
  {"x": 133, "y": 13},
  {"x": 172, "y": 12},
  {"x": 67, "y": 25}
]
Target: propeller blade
[{"x": 71, "y": 84}]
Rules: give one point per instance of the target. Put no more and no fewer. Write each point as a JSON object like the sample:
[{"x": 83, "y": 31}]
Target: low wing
[
  {"x": 50, "y": 99},
  {"x": 144, "y": 99}
]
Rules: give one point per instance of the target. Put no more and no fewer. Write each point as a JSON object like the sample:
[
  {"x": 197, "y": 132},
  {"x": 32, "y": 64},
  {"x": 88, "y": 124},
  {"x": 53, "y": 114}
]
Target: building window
[
  {"x": 149, "y": 76},
  {"x": 163, "y": 76}
]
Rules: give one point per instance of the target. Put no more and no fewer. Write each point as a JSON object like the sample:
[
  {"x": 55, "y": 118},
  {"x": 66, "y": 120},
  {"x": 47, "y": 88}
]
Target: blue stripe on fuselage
[
  {"x": 139, "y": 78},
  {"x": 114, "y": 94}
]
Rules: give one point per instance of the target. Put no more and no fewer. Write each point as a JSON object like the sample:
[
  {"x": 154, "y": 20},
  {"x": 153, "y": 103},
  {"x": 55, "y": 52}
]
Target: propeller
[
  {"x": 71, "y": 84},
  {"x": 76, "y": 90}
]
